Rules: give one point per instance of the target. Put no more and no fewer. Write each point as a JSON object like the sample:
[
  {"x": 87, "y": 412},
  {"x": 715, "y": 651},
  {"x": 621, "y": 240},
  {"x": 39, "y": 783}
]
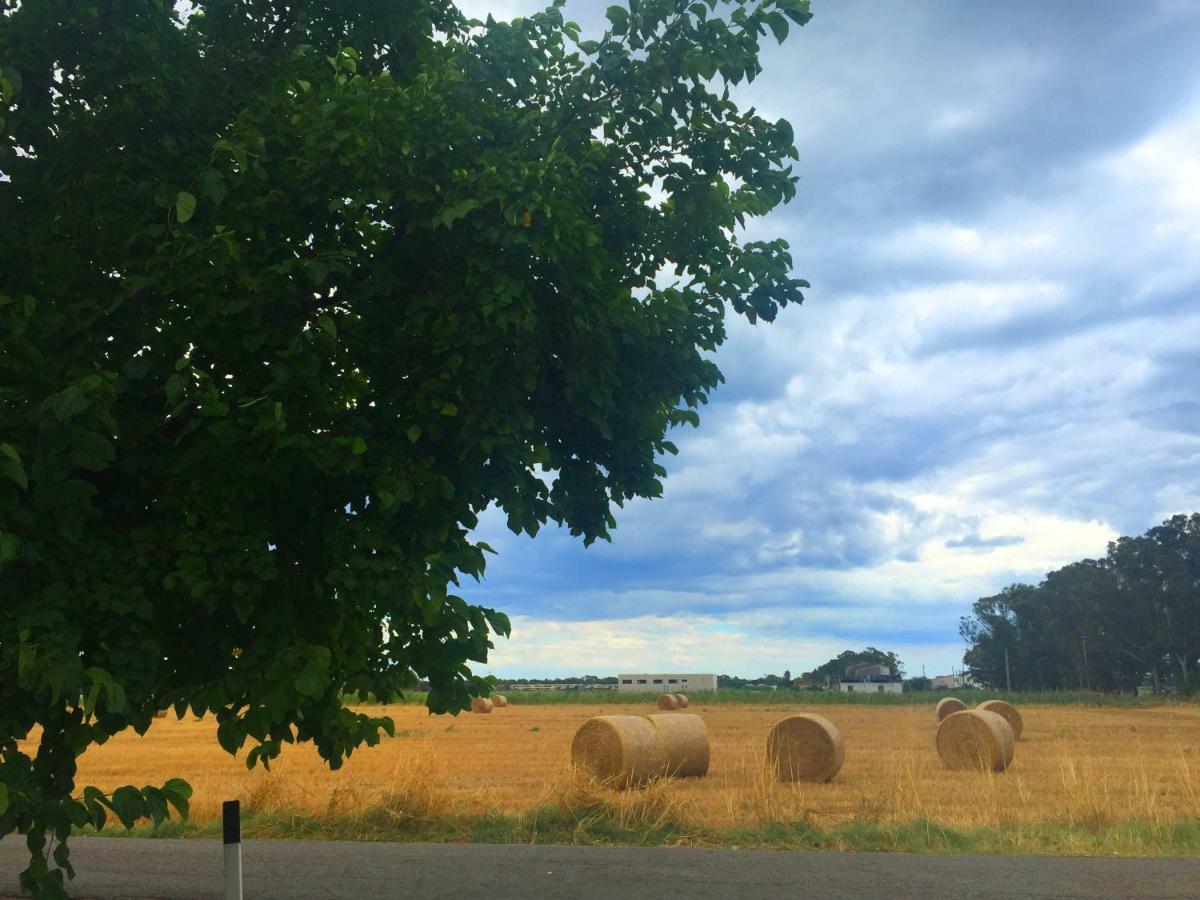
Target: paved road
[{"x": 185, "y": 869}]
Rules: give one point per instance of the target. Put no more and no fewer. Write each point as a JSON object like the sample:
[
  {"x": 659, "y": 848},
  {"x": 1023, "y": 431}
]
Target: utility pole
[{"x": 1007, "y": 673}]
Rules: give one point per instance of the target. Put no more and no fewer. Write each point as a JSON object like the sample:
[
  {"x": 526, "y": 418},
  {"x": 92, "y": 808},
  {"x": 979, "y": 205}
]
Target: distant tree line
[
  {"x": 818, "y": 677},
  {"x": 765, "y": 682},
  {"x": 575, "y": 679},
  {"x": 1110, "y": 624},
  {"x": 847, "y": 658}
]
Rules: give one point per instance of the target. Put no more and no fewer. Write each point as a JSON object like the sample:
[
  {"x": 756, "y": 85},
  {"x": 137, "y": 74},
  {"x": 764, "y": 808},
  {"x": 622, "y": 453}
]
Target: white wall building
[
  {"x": 946, "y": 682},
  {"x": 868, "y": 679},
  {"x": 668, "y": 683},
  {"x": 871, "y": 687}
]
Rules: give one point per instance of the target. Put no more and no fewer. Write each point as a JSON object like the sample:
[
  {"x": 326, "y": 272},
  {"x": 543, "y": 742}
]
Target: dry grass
[{"x": 1088, "y": 767}]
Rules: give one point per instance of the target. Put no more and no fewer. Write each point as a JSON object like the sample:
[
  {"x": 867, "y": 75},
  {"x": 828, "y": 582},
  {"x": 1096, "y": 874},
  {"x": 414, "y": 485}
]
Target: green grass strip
[{"x": 554, "y": 825}]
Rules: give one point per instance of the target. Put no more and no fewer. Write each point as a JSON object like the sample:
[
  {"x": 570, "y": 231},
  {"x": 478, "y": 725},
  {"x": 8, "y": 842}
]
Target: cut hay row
[
  {"x": 686, "y": 741},
  {"x": 975, "y": 739},
  {"x": 1008, "y": 712},
  {"x": 627, "y": 751},
  {"x": 948, "y": 706},
  {"x": 805, "y": 748},
  {"x": 620, "y": 751}
]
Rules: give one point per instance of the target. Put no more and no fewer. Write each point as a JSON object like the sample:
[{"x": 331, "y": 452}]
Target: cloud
[
  {"x": 649, "y": 644},
  {"x": 976, "y": 542},
  {"x": 994, "y": 374}
]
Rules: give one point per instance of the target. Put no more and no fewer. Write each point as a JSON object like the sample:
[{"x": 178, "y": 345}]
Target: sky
[{"x": 995, "y": 371}]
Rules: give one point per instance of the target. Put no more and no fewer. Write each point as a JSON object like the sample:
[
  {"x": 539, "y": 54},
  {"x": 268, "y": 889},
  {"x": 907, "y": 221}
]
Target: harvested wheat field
[{"x": 1073, "y": 766}]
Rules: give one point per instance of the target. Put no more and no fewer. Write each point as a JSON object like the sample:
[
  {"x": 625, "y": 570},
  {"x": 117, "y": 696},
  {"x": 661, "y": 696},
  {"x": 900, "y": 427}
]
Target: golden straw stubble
[
  {"x": 621, "y": 751},
  {"x": 668, "y": 701},
  {"x": 975, "y": 739},
  {"x": 686, "y": 740},
  {"x": 481, "y": 705},
  {"x": 805, "y": 747},
  {"x": 948, "y": 706},
  {"x": 1009, "y": 712}
]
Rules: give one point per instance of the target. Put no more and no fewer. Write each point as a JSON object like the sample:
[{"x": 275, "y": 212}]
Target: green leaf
[
  {"x": 778, "y": 25},
  {"x": 89, "y": 705},
  {"x": 177, "y": 787},
  {"x": 796, "y": 10},
  {"x": 3, "y": 798},
  {"x": 359, "y": 447},
  {"x": 26, "y": 653},
  {"x": 155, "y": 802},
  {"x": 212, "y": 185},
  {"x": 11, "y": 467},
  {"x": 128, "y": 804},
  {"x": 185, "y": 206},
  {"x": 231, "y": 735},
  {"x": 95, "y": 801},
  {"x": 414, "y": 433},
  {"x": 619, "y": 17},
  {"x": 178, "y": 792},
  {"x": 92, "y": 451},
  {"x": 114, "y": 698},
  {"x": 9, "y": 545}
]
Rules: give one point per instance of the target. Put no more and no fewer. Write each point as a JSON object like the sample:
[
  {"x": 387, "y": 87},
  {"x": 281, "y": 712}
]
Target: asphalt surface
[{"x": 185, "y": 869}]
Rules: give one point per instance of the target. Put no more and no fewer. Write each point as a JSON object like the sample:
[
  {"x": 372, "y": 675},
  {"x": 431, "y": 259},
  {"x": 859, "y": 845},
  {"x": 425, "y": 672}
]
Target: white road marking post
[{"x": 231, "y": 828}]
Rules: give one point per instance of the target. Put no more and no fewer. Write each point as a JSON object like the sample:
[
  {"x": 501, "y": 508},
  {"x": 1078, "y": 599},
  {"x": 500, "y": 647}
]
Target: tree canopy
[
  {"x": 1106, "y": 624},
  {"x": 291, "y": 292},
  {"x": 848, "y": 658}
]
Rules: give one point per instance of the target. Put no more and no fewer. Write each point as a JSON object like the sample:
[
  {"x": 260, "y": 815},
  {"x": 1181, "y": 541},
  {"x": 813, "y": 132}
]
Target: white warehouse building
[{"x": 665, "y": 683}]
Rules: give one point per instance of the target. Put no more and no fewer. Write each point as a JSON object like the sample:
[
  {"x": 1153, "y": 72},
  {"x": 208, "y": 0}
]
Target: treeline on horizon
[{"x": 1128, "y": 619}]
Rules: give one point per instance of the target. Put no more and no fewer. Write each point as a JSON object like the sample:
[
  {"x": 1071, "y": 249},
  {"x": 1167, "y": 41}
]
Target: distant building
[
  {"x": 867, "y": 678},
  {"x": 668, "y": 683},
  {"x": 946, "y": 682}
]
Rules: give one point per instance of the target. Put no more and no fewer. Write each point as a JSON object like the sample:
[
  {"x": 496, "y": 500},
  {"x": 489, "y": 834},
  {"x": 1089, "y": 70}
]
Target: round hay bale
[
  {"x": 621, "y": 751},
  {"x": 668, "y": 701},
  {"x": 161, "y": 714},
  {"x": 975, "y": 739},
  {"x": 683, "y": 701},
  {"x": 499, "y": 700},
  {"x": 1010, "y": 714},
  {"x": 686, "y": 741},
  {"x": 805, "y": 748},
  {"x": 481, "y": 705},
  {"x": 949, "y": 705}
]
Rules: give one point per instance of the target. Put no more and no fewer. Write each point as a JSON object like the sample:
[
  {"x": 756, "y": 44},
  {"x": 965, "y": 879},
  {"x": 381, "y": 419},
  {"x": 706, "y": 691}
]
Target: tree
[
  {"x": 848, "y": 658},
  {"x": 1106, "y": 624},
  {"x": 290, "y": 292},
  {"x": 1159, "y": 574}
]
